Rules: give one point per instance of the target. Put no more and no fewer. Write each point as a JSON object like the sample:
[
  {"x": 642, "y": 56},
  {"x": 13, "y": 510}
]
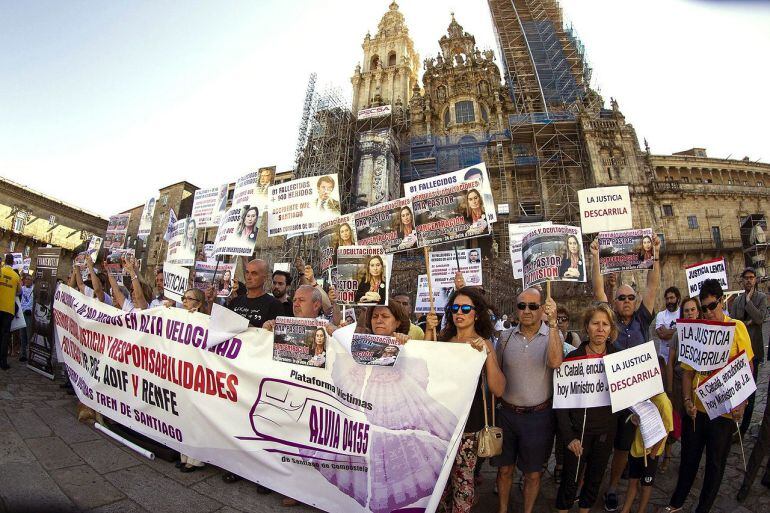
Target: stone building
[{"x": 30, "y": 220}]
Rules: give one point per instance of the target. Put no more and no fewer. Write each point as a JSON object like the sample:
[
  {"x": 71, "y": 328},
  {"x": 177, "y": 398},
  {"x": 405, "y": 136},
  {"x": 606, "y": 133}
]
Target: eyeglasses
[
  {"x": 562, "y": 319},
  {"x": 466, "y": 309},
  {"x": 710, "y": 306},
  {"x": 623, "y": 297},
  {"x": 531, "y": 306}
]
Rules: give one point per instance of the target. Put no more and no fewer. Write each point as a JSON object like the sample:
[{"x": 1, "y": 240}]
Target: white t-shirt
[{"x": 666, "y": 319}]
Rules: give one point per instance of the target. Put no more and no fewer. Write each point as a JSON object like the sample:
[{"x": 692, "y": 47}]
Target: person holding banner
[
  {"x": 698, "y": 432},
  {"x": 372, "y": 288},
  {"x": 10, "y": 287},
  {"x": 588, "y": 432},
  {"x": 388, "y": 321},
  {"x": 527, "y": 353},
  {"x": 572, "y": 266},
  {"x": 468, "y": 322},
  {"x": 633, "y": 324},
  {"x": 247, "y": 227}
]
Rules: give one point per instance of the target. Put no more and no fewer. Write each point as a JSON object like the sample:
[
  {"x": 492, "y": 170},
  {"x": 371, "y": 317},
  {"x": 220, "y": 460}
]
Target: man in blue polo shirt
[{"x": 633, "y": 328}]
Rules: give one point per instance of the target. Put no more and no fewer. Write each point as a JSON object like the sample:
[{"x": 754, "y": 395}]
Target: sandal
[{"x": 669, "y": 509}]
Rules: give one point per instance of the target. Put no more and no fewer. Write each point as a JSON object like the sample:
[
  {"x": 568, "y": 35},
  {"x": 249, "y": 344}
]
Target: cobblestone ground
[{"x": 50, "y": 462}]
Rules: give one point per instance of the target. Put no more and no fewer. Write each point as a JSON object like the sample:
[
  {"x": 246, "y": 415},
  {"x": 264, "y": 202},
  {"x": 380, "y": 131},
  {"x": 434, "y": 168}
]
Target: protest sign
[
  {"x": 18, "y": 261},
  {"x": 113, "y": 262},
  {"x": 581, "y": 382},
  {"x": 170, "y": 225},
  {"x": 392, "y": 432},
  {"x": 650, "y": 423},
  {"x": 440, "y": 296},
  {"x": 176, "y": 280},
  {"x": 94, "y": 245},
  {"x": 516, "y": 232},
  {"x": 476, "y": 174},
  {"x": 205, "y": 276},
  {"x": 704, "y": 345},
  {"x": 443, "y": 266},
  {"x": 552, "y": 253},
  {"x": 300, "y": 341},
  {"x": 117, "y": 230},
  {"x": 340, "y": 231},
  {"x": 633, "y": 375},
  {"x": 145, "y": 222},
  {"x": 727, "y": 388},
  {"x": 710, "y": 269},
  {"x": 18, "y": 322},
  {"x": 209, "y": 205},
  {"x": 375, "y": 349},
  {"x": 390, "y": 225},
  {"x": 41, "y": 344},
  {"x": 181, "y": 246},
  {"x": 299, "y": 206},
  {"x": 359, "y": 270},
  {"x": 237, "y": 232},
  {"x": 605, "y": 209},
  {"x": 282, "y": 266},
  {"x": 252, "y": 188},
  {"x": 26, "y": 264},
  {"x": 450, "y": 213},
  {"x": 208, "y": 252},
  {"x": 626, "y": 250}
]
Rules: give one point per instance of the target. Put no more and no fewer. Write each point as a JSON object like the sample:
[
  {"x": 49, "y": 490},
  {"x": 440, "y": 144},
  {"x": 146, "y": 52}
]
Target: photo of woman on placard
[
  {"x": 372, "y": 288},
  {"x": 247, "y": 228},
  {"x": 572, "y": 265},
  {"x": 224, "y": 284},
  {"x": 646, "y": 254},
  {"x": 343, "y": 237},
  {"x": 472, "y": 210},
  {"x": 404, "y": 224},
  {"x": 190, "y": 237},
  {"x": 316, "y": 341}
]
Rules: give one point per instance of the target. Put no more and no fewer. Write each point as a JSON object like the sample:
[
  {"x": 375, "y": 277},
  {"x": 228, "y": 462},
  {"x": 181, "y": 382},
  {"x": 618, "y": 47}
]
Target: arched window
[
  {"x": 392, "y": 59},
  {"x": 375, "y": 61},
  {"x": 470, "y": 153},
  {"x": 464, "y": 112}
]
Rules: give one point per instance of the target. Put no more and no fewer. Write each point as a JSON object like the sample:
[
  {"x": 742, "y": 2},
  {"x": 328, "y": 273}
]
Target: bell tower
[{"x": 390, "y": 65}]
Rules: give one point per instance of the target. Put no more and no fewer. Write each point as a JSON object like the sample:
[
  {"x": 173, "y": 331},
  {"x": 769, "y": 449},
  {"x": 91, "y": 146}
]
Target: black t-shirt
[
  {"x": 288, "y": 308},
  {"x": 257, "y": 310}
]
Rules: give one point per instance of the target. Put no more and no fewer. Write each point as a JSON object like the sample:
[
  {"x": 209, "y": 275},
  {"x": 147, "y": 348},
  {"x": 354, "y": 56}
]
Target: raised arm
[
  {"x": 597, "y": 280},
  {"x": 555, "y": 354},
  {"x": 653, "y": 277},
  {"x": 96, "y": 283},
  {"x": 137, "y": 293},
  {"x": 77, "y": 278},
  {"x": 117, "y": 294}
]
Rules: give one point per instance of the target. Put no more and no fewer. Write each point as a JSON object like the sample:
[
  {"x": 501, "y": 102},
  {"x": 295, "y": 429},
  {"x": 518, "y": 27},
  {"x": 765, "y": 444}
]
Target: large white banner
[
  {"x": 710, "y": 269},
  {"x": 443, "y": 266},
  {"x": 581, "y": 382},
  {"x": 704, "y": 345},
  {"x": 301, "y": 205},
  {"x": 605, "y": 209},
  {"x": 633, "y": 375},
  {"x": 347, "y": 437},
  {"x": 516, "y": 233},
  {"x": 725, "y": 390}
]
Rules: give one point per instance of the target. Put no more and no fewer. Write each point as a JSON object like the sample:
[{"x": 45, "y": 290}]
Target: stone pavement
[{"x": 49, "y": 462}]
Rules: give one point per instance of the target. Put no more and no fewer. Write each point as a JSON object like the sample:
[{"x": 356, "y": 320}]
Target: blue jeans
[{"x": 26, "y": 334}]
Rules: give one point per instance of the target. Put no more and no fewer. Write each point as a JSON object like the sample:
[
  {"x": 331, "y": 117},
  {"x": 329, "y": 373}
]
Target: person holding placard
[
  {"x": 527, "y": 354},
  {"x": 698, "y": 432},
  {"x": 633, "y": 325},
  {"x": 751, "y": 308},
  {"x": 588, "y": 432},
  {"x": 468, "y": 322}
]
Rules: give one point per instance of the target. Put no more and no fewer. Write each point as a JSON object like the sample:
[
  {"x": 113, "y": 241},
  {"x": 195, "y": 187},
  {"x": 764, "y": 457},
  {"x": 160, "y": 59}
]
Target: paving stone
[
  {"x": 26, "y": 487},
  {"x": 104, "y": 456},
  {"x": 13, "y": 449},
  {"x": 242, "y": 495},
  {"x": 53, "y": 453},
  {"x": 65, "y": 425},
  {"x": 28, "y": 424},
  {"x": 123, "y": 506},
  {"x": 85, "y": 487},
  {"x": 156, "y": 492}
]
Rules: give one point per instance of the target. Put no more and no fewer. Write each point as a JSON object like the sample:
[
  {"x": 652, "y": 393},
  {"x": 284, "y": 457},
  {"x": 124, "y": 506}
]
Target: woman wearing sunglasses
[
  {"x": 595, "y": 448},
  {"x": 698, "y": 432},
  {"x": 192, "y": 301},
  {"x": 468, "y": 322}
]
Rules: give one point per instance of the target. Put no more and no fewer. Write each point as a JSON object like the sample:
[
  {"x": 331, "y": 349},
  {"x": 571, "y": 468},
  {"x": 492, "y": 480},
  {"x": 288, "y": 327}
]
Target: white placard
[
  {"x": 633, "y": 375},
  {"x": 443, "y": 266},
  {"x": 725, "y": 390},
  {"x": 710, "y": 269},
  {"x": 301, "y": 205},
  {"x": 650, "y": 423},
  {"x": 605, "y": 209},
  {"x": 440, "y": 296},
  {"x": 581, "y": 382},
  {"x": 182, "y": 244},
  {"x": 209, "y": 205},
  {"x": 516, "y": 232},
  {"x": 704, "y": 345},
  {"x": 176, "y": 280},
  {"x": 145, "y": 222}
]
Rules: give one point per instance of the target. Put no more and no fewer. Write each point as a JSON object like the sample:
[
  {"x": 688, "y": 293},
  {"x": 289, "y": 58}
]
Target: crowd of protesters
[{"x": 592, "y": 446}]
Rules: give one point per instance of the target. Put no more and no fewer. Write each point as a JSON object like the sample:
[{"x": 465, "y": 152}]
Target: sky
[{"x": 102, "y": 103}]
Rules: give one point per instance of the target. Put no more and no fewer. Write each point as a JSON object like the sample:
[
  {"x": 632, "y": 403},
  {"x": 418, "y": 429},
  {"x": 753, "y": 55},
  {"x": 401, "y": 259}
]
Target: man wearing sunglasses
[
  {"x": 527, "y": 353},
  {"x": 633, "y": 328},
  {"x": 698, "y": 432}
]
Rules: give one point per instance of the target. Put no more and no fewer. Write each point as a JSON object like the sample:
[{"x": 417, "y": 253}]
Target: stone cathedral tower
[{"x": 390, "y": 64}]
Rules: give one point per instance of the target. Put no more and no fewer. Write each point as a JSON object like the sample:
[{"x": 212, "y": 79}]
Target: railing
[{"x": 708, "y": 188}]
